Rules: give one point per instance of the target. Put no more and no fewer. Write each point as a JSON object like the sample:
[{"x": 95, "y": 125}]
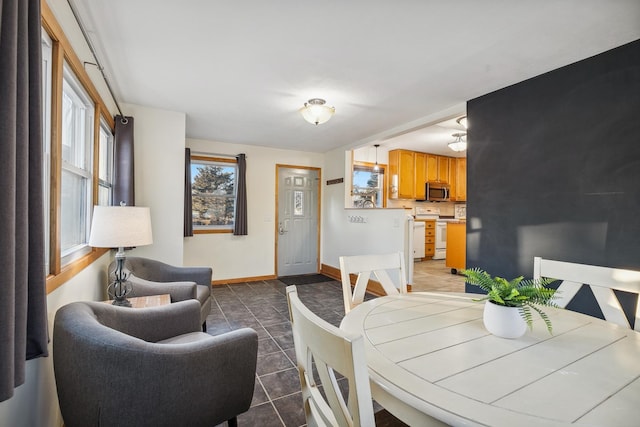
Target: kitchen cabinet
[
  {"x": 429, "y": 238},
  {"x": 443, "y": 169},
  {"x": 420, "y": 171},
  {"x": 456, "y": 246},
  {"x": 460, "y": 190},
  {"x": 458, "y": 179},
  {"x": 437, "y": 168},
  {"x": 413, "y": 169},
  {"x": 410, "y": 168},
  {"x": 432, "y": 167},
  {"x": 401, "y": 164}
]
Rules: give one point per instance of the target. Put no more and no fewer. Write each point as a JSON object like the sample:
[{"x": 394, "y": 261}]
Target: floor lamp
[{"x": 120, "y": 227}]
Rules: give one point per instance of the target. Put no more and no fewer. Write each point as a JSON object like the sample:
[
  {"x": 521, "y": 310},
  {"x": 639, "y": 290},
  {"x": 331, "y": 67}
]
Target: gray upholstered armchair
[
  {"x": 151, "y": 277},
  {"x": 118, "y": 366}
]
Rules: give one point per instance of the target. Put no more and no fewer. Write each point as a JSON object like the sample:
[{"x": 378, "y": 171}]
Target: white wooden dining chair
[
  {"x": 602, "y": 281},
  {"x": 330, "y": 350},
  {"x": 364, "y": 266}
]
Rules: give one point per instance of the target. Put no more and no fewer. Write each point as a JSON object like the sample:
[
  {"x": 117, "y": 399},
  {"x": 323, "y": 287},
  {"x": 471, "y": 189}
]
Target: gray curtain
[
  {"x": 188, "y": 200},
  {"x": 241, "y": 228},
  {"x": 23, "y": 308},
  {"x": 123, "y": 172}
]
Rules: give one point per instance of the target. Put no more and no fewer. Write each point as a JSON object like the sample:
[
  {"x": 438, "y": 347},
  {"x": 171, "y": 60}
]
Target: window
[
  {"x": 105, "y": 168},
  {"x": 213, "y": 192},
  {"x": 46, "y": 137},
  {"x": 78, "y": 155},
  {"x": 367, "y": 186},
  {"x": 77, "y": 167}
]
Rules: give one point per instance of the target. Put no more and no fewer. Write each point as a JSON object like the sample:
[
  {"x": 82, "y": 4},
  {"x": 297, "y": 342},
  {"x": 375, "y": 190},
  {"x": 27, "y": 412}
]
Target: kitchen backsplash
[
  {"x": 446, "y": 208},
  {"x": 460, "y": 211}
]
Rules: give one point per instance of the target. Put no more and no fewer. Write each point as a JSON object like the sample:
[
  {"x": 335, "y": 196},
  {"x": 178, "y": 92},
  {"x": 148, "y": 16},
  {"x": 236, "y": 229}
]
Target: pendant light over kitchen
[{"x": 376, "y": 167}]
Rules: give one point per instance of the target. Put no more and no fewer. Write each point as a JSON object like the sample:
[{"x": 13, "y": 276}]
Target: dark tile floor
[{"x": 263, "y": 306}]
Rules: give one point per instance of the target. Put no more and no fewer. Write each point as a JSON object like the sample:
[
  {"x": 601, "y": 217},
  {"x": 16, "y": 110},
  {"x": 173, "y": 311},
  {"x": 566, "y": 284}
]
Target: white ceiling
[{"x": 240, "y": 70}]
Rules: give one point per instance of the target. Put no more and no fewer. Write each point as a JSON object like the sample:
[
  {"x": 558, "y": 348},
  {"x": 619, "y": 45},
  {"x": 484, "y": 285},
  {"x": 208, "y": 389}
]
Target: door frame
[{"x": 277, "y": 221}]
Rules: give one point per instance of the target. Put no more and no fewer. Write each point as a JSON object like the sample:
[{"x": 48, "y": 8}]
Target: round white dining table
[{"x": 432, "y": 362}]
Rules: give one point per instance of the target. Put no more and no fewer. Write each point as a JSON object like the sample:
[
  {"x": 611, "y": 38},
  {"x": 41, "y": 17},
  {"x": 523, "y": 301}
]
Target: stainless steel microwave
[{"x": 436, "y": 192}]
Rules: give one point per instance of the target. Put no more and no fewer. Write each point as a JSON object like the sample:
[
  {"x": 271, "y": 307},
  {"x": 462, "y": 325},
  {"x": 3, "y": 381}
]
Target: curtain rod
[
  {"x": 95, "y": 56},
  {"x": 203, "y": 153}
]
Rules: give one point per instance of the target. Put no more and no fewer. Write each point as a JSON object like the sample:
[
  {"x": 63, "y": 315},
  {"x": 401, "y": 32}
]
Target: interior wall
[
  {"x": 383, "y": 231},
  {"x": 237, "y": 257},
  {"x": 553, "y": 168},
  {"x": 159, "y": 141}
]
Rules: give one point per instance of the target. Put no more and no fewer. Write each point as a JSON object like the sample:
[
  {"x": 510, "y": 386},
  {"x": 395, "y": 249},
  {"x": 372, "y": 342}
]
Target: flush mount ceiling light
[
  {"x": 315, "y": 111},
  {"x": 458, "y": 144},
  {"x": 462, "y": 121}
]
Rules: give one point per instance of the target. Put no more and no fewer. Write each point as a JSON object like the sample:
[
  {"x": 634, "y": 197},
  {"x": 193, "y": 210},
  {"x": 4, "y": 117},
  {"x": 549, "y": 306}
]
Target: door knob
[{"x": 281, "y": 229}]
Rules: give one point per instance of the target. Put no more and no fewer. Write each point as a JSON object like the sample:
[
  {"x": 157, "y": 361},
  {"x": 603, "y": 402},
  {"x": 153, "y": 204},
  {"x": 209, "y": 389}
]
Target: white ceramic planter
[{"x": 505, "y": 322}]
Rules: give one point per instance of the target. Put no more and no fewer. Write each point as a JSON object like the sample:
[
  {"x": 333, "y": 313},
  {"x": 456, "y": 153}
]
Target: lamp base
[
  {"x": 120, "y": 287},
  {"x": 121, "y": 302}
]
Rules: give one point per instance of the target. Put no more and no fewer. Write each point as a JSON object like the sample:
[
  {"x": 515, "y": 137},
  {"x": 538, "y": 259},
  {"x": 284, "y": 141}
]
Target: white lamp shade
[{"x": 120, "y": 227}]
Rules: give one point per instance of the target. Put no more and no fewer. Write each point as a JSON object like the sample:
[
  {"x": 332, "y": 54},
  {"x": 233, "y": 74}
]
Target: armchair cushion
[
  {"x": 145, "y": 274},
  {"x": 179, "y": 291}
]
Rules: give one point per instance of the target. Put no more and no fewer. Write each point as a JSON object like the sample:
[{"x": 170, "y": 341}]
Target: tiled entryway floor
[{"x": 263, "y": 306}]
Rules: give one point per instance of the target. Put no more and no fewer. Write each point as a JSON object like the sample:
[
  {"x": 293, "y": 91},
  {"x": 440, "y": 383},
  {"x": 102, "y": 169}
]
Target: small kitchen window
[{"x": 368, "y": 186}]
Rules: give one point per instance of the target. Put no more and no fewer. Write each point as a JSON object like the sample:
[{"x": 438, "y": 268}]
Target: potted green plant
[{"x": 509, "y": 303}]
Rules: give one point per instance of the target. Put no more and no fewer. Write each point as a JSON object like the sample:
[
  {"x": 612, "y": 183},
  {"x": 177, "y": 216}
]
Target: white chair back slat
[
  {"x": 566, "y": 291},
  {"x": 601, "y": 280},
  {"x": 610, "y": 306},
  {"x": 320, "y": 344},
  {"x": 363, "y": 266}
]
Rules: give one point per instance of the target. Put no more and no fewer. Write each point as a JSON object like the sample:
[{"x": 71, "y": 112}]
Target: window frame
[
  {"x": 358, "y": 165},
  {"x": 202, "y": 159},
  {"x": 106, "y": 183},
  {"x": 81, "y": 166},
  {"x": 57, "y": 272}
]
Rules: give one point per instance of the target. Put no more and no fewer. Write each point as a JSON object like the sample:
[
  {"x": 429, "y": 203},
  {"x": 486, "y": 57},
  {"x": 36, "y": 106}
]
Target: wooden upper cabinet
[
  {"x": 461, "y": 179},
  {"x": 443, "y": 169},
  {"x": 432, "y": 167},
  {"x": 420, "y": 170},
  {"x": 452, "y": 180},
  {"x": 401, "y": 163},
  {"x": 413, "y": 169}
]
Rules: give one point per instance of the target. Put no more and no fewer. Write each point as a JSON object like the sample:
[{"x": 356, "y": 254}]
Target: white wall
[
  {"x": 159, "y": 141},
  {"x": 382, "y": 233},
  {"x": 253, "y": 255}
]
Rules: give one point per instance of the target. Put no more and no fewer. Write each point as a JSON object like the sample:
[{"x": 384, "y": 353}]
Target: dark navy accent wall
[{"x": 554, "y": 168}]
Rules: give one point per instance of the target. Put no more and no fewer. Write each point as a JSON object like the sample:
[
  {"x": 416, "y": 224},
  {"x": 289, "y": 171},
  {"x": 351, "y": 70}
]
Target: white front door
[{"x": 297, "y": 222}]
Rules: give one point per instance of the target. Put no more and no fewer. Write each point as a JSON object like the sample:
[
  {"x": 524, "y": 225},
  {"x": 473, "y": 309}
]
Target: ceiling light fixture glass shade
[
  {"x": 315, "y": 111},
  {"x": 458, "y": 144},
  {"x": 462, "y": 121}
]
